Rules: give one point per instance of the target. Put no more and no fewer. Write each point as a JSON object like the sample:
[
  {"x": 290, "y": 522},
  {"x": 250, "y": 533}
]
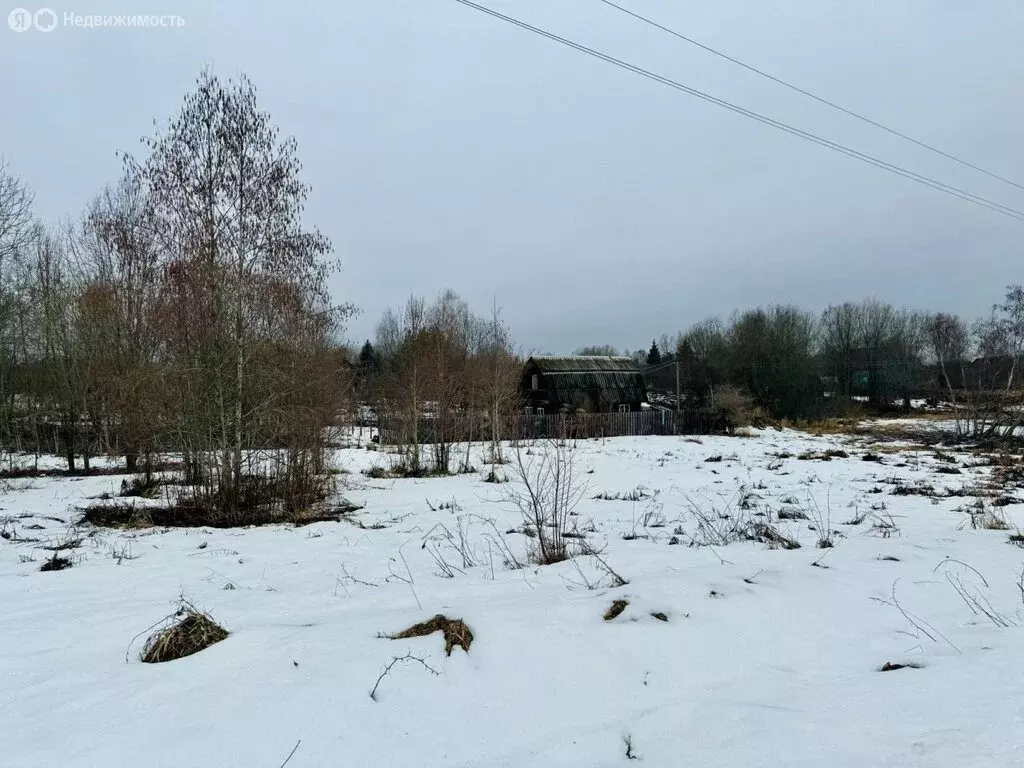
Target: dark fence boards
[{"x": 573, "y": 426}]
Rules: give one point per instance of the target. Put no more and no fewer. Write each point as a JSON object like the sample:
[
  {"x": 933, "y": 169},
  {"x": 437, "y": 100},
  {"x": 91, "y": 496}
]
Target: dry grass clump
[
  {"x": 188, "y": 632},
  {"x": 187, "y": 513},
  {"x": 56, "y": 563},
  {"x": 831, "y": 453},
  {"x": 890, "y": 666},
  {"x": 770, "y": 536},
  {"x": 455, "y": 632},
  {"x": 920, "y": 489},
  {"x": 142, "y": 486},
  {"x": 616, "y": 608}
]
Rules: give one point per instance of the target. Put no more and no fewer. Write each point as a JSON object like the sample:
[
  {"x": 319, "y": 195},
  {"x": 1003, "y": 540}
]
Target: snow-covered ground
[{"x": 765, "y": 659}]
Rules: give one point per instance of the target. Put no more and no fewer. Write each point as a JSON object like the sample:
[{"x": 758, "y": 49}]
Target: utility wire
[
  {"x": 807, "y": 93},
  {"x": 935, "y": 184}
]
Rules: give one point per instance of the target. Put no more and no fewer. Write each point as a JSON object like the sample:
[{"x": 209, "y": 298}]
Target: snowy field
[{"x": 768, "y": 657}]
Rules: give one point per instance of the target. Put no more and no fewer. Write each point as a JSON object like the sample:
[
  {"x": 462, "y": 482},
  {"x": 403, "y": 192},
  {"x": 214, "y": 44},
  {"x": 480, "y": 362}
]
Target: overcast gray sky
[{"x": 447, "y": 149}]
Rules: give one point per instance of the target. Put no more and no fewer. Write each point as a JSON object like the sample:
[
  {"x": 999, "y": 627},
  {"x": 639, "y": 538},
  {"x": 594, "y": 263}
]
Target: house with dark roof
[{"x": 582, "y": 384}]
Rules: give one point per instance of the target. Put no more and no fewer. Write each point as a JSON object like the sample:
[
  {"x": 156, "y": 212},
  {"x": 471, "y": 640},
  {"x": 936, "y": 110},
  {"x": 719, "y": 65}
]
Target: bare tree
[
  {"x": 906, "y": 348},
  {"x": 702, "y": 353},
  {"x": 118, "y": 258},
  {"x": 500, "y": 369},
  {"x": 1012, "y": 320},
  {"x": 840, "y": 339},
  {"x": 600, "y": 350},
  {"x": 546, "y": 489},
  {"x": 16, "y": 230},
  {"x": 242, "y": 271},
  {"x": 947, "y": 340},
  {"x": 876, "y": 323},
  {"x": 16, "y": 220},
  {"x": 402, "y": 391}
]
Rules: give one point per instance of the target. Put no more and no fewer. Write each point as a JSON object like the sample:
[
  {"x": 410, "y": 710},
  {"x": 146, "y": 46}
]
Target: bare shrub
[
  {"x": 606, "y": 577},
  {"x": 972, "y": 595},
  {"x": 738, "y": 409},
  {"x": 546, "y": 489},
  {"x": 722, "y": 522},
  {"x": 406, "y": 659},
  {"x": 822, "y": 522},
  {"x": 983, "y": 516},
  {"x": 718, "y": 524},
  {"x": 277, "y": 497}
]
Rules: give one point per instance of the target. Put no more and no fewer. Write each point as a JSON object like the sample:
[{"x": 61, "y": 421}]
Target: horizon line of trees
[{"x": 795, "y": 364}]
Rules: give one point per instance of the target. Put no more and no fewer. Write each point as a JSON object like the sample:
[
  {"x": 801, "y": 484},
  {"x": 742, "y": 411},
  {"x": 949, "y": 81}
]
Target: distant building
[{"x": 552, "y": 385}]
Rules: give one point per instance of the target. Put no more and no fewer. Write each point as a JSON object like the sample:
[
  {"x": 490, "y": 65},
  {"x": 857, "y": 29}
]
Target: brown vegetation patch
[
  {"x": 921, "y": 489},
  {"x": 189, "y": 632},
  {"x": 18, "y": 473},
  {"x": 1005, "y": 501},
  {"x": 831, "y": 453},
  {"x": 260, "y": 508},
  {"x": 891, "y": 666},
  {"x": 192, "y": 516},
  {"x": 455, "y": 632},
  {"x": 660, "y": 616},
  {"x": 616, "y": 608},
  {"x": 771, "y": 536}
]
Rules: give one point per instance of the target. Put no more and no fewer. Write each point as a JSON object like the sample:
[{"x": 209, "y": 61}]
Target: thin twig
[
  {"x": 401, "y": 659},
  {"x": 291, "y": 753}
]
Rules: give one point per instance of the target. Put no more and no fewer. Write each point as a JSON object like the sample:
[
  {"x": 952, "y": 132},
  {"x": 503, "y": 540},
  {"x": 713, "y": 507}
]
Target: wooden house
[{"x": 582, "y": 384}]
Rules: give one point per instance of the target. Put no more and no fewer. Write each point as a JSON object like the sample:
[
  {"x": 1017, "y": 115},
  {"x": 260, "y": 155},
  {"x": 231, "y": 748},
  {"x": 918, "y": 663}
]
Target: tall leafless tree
[{"x": 225, "y": 199}]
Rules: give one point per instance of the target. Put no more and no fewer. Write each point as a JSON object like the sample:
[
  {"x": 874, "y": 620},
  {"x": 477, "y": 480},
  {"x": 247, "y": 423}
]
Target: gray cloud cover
[{"x": 447, "y": 149}]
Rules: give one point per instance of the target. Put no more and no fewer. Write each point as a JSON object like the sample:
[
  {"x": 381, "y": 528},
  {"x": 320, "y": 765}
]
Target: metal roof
[
  {"x": 584, "y": 363},
  {"x": 577, "y": 380}
]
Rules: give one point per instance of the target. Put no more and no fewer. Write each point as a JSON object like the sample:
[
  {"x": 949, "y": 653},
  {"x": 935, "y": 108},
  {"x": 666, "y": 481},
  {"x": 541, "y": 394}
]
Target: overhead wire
[
  {"x": 779, "y": 125},
  {"x": 809, "y": 94}
]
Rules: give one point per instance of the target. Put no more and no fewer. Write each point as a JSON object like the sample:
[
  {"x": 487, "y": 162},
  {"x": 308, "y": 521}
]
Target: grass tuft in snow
[
  {"x": 189, "y": 631},
  {"x": 142, "y": 487},
  {"x": 891, "y": 666},
  {"x": 56, "y": 563},
  {"x": 616, "y": 608},
  {"x": 455, "y": 632},
  {"x": 770, "y": 536}
]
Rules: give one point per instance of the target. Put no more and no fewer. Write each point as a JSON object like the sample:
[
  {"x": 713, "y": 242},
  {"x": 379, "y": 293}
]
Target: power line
[
  {"x": 814, "y": 96},
  {"x": 871, "y": 160}
]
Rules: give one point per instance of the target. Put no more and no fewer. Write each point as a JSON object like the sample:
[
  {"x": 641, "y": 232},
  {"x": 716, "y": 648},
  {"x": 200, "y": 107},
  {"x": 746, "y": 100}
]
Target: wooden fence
[
  {"x": 578, "y": 426},
  {"x": 590, "y": 425}
]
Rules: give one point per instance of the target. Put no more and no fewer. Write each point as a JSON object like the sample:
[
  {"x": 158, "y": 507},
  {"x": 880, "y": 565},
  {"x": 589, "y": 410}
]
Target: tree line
[
  {"x": 184, "y": 310},
  {"x": 440, "y": 374},
  {"x": 790, "y": 363}
]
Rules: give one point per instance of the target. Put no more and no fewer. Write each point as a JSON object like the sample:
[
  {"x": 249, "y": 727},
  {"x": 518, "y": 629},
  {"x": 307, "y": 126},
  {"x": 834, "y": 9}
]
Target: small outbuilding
[{"x": 582, "y": 384}]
